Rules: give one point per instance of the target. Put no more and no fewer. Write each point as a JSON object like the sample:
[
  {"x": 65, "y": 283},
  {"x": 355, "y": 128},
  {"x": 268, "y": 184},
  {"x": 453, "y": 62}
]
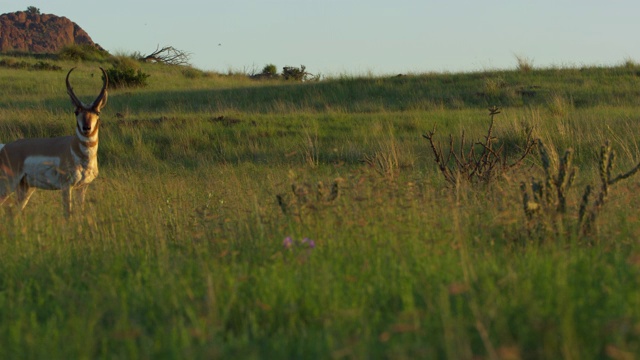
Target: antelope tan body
[{"x": 64, "y": 163}]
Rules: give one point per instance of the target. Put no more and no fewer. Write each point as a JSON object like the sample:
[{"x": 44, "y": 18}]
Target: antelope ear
[{"x": 101, "y": 100}]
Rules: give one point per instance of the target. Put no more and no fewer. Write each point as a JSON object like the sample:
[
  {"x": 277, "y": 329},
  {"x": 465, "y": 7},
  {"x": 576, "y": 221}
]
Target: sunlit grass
[{"x": 180, "y": 251}]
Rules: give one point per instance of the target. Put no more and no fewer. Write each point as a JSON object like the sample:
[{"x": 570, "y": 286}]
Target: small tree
[
  {"x": 33, "y": 10},
  {"x": 270, "y": 70},
  {"x": 294, "y": 73}
]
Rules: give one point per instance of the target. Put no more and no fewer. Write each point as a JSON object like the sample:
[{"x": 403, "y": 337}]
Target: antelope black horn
[
  {"x": 102, "y": 98},
  {"x": 74, "y": 98}
]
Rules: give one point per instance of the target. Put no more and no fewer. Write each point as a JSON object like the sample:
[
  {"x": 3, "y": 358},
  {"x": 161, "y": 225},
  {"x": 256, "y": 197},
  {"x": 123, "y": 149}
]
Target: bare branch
[
  {"x": 167, "y": 55},
  {"x": 483, "y": 161},
  {"x": 624, "y": 176}
]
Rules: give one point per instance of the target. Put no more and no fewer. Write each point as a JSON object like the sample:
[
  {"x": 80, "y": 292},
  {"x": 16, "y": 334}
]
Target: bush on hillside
[
  {"x": 525, "y": 64},
  {"x": 40, "y": 65},
  {"x": 82, "y": 53},
  {"x": 270, "y": 70},
  {"x": 123, "y": 62},
  {"x": 33, "y": 10},
  {"x": 193, "y": 73},
  {"x": 126, "y": 72},
  {"x": 298, "y": 74},
  {"x": 294, "y": 73}
]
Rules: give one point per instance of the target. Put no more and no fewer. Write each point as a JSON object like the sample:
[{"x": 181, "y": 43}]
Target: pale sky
[{"x": 353, "y": 37}]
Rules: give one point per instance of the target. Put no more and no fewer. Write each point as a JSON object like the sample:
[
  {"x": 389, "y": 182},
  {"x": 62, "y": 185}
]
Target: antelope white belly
[{"x": 43, "y": 172}]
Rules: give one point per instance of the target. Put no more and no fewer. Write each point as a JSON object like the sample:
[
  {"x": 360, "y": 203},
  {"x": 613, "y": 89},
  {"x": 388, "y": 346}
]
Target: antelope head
[{"x": 88, "y": 116}]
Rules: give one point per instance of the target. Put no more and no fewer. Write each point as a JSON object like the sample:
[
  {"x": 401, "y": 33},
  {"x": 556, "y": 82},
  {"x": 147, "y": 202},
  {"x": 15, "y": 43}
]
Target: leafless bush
[
  {"x": 167, "y": 55},
  {"x": 545, "y": 200},
  {"x": 474, "y": 162}
]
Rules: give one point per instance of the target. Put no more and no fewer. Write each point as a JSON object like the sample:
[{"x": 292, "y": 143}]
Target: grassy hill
[{"x": 213, "y": 230}]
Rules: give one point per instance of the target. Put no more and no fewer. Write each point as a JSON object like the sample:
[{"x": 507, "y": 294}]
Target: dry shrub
[
  {"x": 544, "y": 200},
  {"x": 476, "y": 161}
]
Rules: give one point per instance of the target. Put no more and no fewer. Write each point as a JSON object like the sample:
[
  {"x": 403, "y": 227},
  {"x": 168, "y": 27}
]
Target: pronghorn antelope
[{"x": 63, "y": 163}]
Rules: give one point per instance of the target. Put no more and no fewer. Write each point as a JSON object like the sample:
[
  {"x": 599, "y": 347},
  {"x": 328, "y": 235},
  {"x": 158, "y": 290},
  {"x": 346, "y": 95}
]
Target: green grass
[{"x": 180, "y": 253}]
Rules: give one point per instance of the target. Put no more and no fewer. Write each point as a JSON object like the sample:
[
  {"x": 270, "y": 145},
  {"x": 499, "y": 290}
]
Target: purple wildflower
[
  {"x": 287, "y": 242},
  {"x": 310, "y": 243}
]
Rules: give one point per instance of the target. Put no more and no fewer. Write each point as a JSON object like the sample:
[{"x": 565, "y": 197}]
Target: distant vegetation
[
  {"x": 126, "y": 72},
  {"x": 33, "y": 10},
  {"x": 236, "y": 218},
  {"x": 83, "y": 53},
  {"x": 270, "y": 70},
  {"x": 289, "y": 73},
  {"x": 13, "y": 63}
]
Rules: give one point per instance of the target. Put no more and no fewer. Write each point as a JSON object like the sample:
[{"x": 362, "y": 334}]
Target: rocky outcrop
[{"x": 39, "y": 33}]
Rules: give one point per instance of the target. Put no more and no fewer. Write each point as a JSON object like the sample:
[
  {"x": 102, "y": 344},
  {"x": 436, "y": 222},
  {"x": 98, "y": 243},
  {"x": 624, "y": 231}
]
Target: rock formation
[{"x": 25, "y": 31}]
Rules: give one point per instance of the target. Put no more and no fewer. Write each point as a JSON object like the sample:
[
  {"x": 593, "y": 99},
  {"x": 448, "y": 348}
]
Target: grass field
[{"x": 213, "y": 230}]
